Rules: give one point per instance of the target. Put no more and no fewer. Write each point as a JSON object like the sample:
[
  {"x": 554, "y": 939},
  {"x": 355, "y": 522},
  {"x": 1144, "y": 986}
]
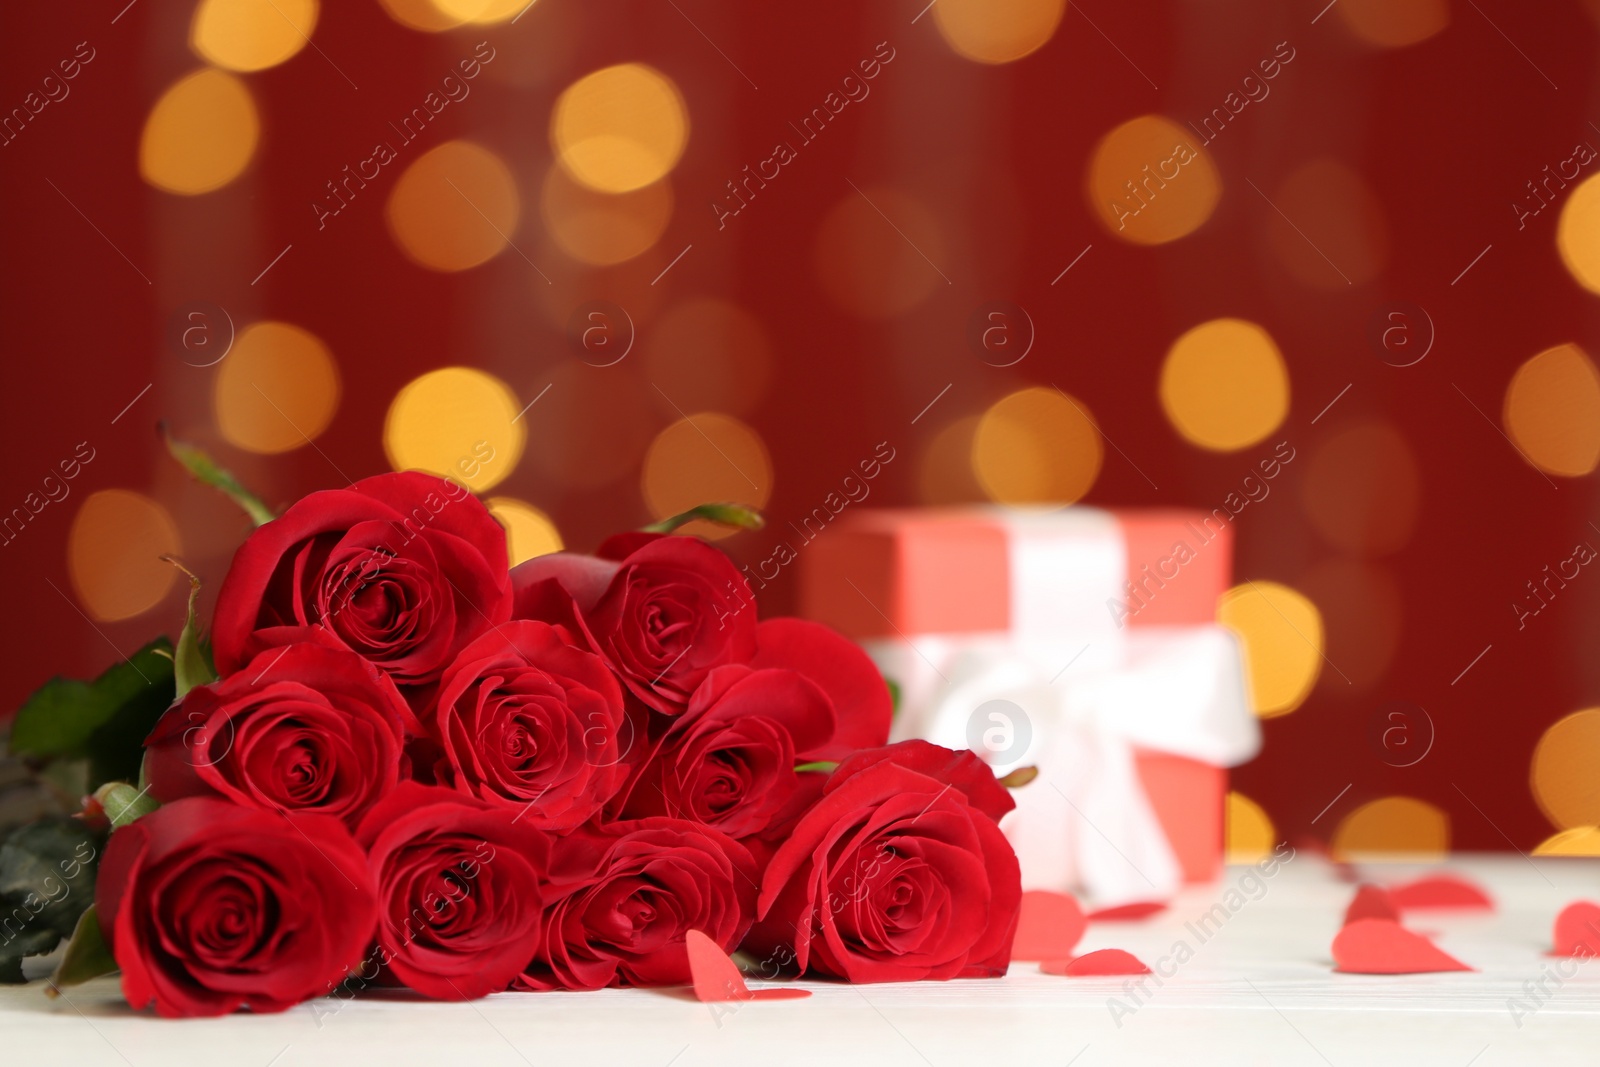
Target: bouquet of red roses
[{"x": 411, "y": 764}]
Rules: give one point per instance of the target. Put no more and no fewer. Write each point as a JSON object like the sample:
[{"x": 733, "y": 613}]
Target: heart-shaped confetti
[
  {"x": 1141, "y": 909},
  {"x": 1577, "y": 930},
  {"x": 1383, "y": 946},
  {"x": 1049, "y": 926},
  {"x": 717, "y": 978},
  {"x": 1371, "y": 902},
  {"x": 1440, "y": 891},
  {"x": 1102, "y": 963}
]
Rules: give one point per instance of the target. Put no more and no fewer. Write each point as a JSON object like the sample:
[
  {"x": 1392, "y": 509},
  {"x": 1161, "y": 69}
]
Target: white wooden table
[{"x": 1260, "y": 990}]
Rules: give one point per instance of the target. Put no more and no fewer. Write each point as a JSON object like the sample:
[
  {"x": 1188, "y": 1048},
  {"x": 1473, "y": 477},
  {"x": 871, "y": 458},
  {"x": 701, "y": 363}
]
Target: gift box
[{"x": 1078, "y": 640}]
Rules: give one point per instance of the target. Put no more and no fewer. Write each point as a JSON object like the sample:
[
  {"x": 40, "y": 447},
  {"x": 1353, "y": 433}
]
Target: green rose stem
[
  {"x": 736, "y": 515},
  {"x": 198, "y": 463}
]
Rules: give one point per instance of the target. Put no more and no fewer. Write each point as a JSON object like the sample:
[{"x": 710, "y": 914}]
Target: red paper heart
[
  {"x": 1371, "y": 902},
  {"x": 717, "y": 978},
  {"x": 1383, "y": 946},
  {"x": 1049, "y": 926},
  {"x": 1101, "y": 963},
  {"x": 1578, "y": 930},
  {"x": 1440, "y": 891},
  {"x": 1142, "y": 909}
]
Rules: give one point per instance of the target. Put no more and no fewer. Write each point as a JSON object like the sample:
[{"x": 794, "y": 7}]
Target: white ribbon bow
[{"x": 1085, "y": 825}]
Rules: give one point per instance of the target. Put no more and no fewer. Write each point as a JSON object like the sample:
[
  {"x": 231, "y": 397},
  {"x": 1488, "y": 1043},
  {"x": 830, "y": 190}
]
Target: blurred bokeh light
[
  {"x": 1552, "y": 411},
  {"x": 1391, "y": 827},
  {"x": 247, "y": 35},
  {"x": 454, "y": 207},
  {"x": 620, "y": 128},
  {"x": 114, "y": 554},
  {"x": 456, "y": 422},
  {"x": 200, "y": 135},
  {"x": 1036, "y": 446},
  {"x": 1282, "y": 635},
  {"x": 1224, "y": 385},
  {"x": 277, "y": 389}
]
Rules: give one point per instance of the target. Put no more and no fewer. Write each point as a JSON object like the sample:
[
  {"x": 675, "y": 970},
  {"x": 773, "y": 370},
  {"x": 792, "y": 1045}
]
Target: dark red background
[{"x": 1446, "y": 133}]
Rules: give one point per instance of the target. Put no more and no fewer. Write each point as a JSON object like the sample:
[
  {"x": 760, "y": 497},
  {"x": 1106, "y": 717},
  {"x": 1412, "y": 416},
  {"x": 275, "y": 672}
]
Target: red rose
[
  {"x": 209, "y": 907},
  {"x": 526, "y": 720},
  {"x": 624, "y": 897},
  {"x": 458, "y": 891},
  {"x": 893, "y": 876},
  {"x": 403, "y": 569},
  {"x": 303, "y": 728},
  {"x": 663, "y": 616},
  {"x": 863, "y": 706},
  {"x": 728, "y": 761}
]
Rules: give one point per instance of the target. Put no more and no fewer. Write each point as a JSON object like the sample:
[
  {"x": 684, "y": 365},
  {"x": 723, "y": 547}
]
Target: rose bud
[
  {"x": 306, "y": 727},
  {"x": 624, "y": 897},
  {"x": 663, "y": 616},
  {"x": 528, "y": 721},
  {"x": 459, "y": 890},
  {"x": 403, "y": 569},
  {"x": 896, "y": 874},
  {"x": 728, "y": 761},
  {"x": 209, "y": 907}
]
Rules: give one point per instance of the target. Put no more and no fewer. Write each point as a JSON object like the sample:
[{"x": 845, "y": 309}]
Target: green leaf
[
  {"x": 191, "y": 666},
  {"x": 124, "y": 803},
  {"x": 205, "y": 471},
  {"x": 87, "y": 956},
  {"x": 47, "y": 875},
  {"x": 105, "y": 720},
  {"x": 736, "y": 515},
  {"x": 826, "y": 766},
  {"x": 1020, "y": 777},
  {"x": 894, "y": 698}
]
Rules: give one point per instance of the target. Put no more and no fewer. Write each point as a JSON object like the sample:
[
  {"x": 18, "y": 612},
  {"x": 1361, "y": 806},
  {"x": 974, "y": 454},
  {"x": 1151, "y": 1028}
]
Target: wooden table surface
[{"x": 1259, "y": 989}]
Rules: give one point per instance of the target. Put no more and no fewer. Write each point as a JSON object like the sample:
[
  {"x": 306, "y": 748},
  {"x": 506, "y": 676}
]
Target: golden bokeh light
[
  {"x": 876, "y": 253},
  {"x": 1361, "y": 490},
  {"x": 704, "y": 458},
  {"x": 708, "y": 354},
  {"x": 1395, "y": 23},
  {"x": 1563, "y": 776},
  {"x": 603, "y": 228},
  {"x": 481, "y": 12},
  {"x": 456, "y": 422},
  {"x": 277, "y": 389},
  {"x": 1578, "y": 841},
  {"x": 200, "y": 135},
  {"x": 946, "y": 476},
  {"x": 620, "y": 128},
  {"x": 1552, "y": 411},
  {"x": 1328, "y": 229},
  {"x": 1224, "y": 385},
  {"x": 529, "y": 531},
  {"x": 1150, "y": 183},
  {"x": 422, "y": 15},
  {"x": 1250, "y": 834},
  {"x": 1281, "y": 631},
  {"x": 997, "y": 31},
  {"x": 114, "y": 552},
  {"x": 1393, "y": 828},
  {"x": 251, "y": 34},
  {"x": 1578, "y": 233},
  {"x": 454, "y": 207},
  {"x": 574, "y": 450},
  {"x": 1363, "y": 613},
  {"x": 1037, "y": 446}
]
